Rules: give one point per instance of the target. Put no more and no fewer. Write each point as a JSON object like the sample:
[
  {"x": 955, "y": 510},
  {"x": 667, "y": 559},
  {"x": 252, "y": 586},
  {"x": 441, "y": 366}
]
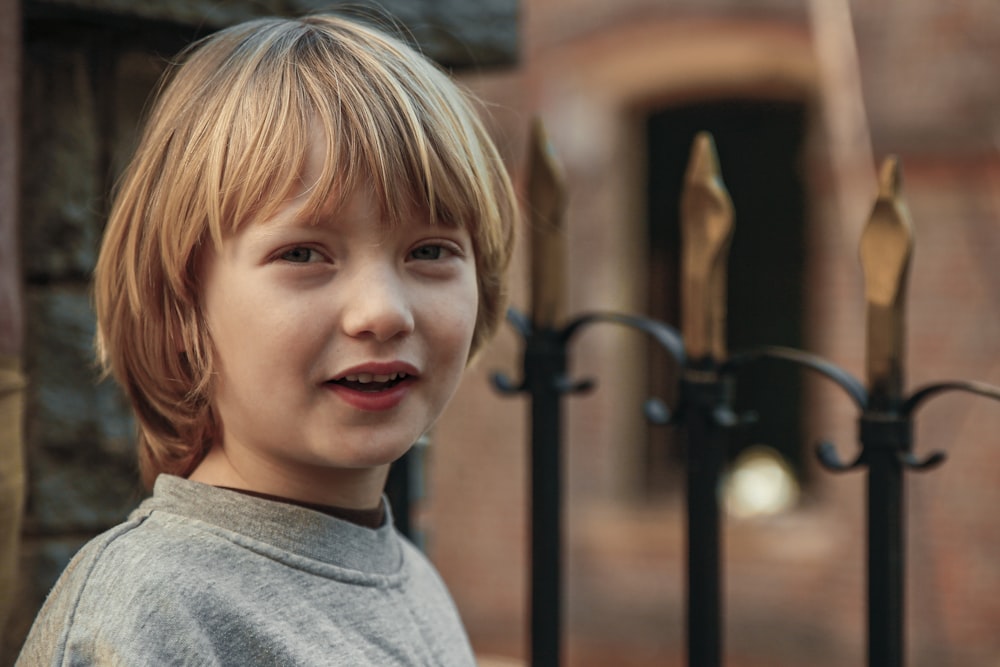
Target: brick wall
[{"x": 795, "y": 582}]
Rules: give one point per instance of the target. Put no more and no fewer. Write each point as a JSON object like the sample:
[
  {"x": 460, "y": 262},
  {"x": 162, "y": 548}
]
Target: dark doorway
[{"x": 759, "y": 144}]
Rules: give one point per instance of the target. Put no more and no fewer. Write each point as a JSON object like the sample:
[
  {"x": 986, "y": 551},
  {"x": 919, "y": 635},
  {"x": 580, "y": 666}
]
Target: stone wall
[{"x": 88, "y": 69}]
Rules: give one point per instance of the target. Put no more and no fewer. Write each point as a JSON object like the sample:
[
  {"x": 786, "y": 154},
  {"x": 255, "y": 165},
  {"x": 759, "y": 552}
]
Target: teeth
[{"x": 366, "y": 378}]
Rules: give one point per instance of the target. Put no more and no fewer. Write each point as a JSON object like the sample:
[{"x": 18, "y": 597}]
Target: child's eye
[
  {"x": 429, "y": 251},
  {"x": 300, "y": 255}
]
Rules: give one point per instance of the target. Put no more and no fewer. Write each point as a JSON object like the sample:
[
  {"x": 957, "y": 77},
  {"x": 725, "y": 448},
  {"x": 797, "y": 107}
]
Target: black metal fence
[{"x": 704, "y": 411}]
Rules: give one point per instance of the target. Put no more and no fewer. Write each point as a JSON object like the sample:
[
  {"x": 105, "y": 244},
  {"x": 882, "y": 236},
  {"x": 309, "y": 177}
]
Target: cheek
[
  {"x": 451, "y": 320},
  {"x": 465, "y": 310},
  {"x": 251, "y": 344}
]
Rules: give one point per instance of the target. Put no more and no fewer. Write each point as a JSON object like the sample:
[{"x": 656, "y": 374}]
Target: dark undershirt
[{"x": 372, "y": 518}]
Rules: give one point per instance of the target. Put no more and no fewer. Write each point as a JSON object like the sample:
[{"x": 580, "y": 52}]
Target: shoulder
[
  {"x": 419, "y": 567},
  {"x": 115, "y": 591},
  {"x": 431, "y": 606}
]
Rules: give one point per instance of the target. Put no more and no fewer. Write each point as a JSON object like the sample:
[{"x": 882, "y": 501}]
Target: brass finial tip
[
  {"x": 537, "y": 129},
  {"x": 539, "y": 137},
  {"x": 542, "y": 151},
  {"x": 890, "y": 179},
  {"x": 704, "y": 162}
]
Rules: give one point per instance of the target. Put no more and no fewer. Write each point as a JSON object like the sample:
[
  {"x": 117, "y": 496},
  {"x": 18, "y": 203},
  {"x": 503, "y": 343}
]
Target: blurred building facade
[{"x": 803, "y": 99}]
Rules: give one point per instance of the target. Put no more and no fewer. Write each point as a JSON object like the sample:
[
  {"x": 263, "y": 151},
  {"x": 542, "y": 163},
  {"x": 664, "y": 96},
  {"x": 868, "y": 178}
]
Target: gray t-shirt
[{"x": 204, "y": 576}]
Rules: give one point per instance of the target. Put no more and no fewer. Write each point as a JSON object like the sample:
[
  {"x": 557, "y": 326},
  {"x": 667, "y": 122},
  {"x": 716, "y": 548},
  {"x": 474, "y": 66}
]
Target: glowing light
[{"x": 760, "y": 483}]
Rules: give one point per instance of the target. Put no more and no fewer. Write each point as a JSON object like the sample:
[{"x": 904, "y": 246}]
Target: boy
[{"x": 307, "y": 248}]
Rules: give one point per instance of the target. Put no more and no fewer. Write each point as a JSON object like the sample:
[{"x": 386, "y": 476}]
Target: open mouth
[{"x": 370, "y": 382}]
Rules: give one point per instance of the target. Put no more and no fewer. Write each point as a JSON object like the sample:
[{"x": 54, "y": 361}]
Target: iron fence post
[
  {"x": 705, "y": 399},
  {"x": 400, "y": 494},
  {"x": 886, "y": 545},
  {"x": 706, "y": 234},
  {"x": 545, "y": 368}
]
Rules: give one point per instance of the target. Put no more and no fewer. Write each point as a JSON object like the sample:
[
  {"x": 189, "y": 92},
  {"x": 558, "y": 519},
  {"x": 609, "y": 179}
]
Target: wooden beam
[{"x": 844, "y": 115}]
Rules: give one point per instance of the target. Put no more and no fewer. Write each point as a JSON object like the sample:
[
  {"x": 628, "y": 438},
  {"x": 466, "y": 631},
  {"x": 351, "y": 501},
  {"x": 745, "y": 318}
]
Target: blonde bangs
[{"x": 386, "y": 119}]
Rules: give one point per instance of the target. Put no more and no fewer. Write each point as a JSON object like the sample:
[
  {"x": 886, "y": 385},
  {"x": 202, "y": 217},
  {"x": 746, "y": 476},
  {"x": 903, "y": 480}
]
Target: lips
[{"x": 375, "y": 386}]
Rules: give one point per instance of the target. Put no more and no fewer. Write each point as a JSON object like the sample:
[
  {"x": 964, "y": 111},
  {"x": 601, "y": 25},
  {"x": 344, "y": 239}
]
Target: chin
[{"x": 376, "y": 454}]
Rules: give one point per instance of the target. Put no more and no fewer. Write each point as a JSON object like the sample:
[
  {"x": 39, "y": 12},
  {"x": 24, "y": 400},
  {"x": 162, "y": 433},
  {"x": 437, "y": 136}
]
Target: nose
[{"x": 377, "y": 305}]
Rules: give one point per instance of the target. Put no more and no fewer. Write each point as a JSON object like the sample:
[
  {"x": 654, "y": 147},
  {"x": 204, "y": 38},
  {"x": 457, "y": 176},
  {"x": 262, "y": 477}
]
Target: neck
[
  {"x": 347, "y": 488},
  {"x": 369, "y": 518}
]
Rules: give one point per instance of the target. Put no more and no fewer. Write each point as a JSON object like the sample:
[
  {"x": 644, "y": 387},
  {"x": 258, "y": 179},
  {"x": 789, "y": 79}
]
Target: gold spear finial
[
  {"x": 886, "y": 246},
  {"x": 546, "y": 206},
  {"x": 706, "y": 230}
]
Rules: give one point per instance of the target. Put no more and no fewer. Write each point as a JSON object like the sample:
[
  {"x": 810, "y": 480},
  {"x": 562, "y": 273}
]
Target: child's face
[{"x": 337, "y": 344}]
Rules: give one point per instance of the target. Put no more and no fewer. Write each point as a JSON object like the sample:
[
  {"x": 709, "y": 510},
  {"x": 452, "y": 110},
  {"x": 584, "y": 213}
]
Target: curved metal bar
[
  {"x": 848, "y": 382},
  {"x": 826, "y": 452},
  {"x": 668, "y": 337},
  {"x": 913, "y": 463},
  {"x": 725, "y": 417},
  {"x": 505, "y": 385},
  {"x": 520, "y": 321},
  {"x": 501, "y": 381},
  {"x": 922, "y": 394},
  {"x": 567, "y": 386},
  {"x": 928, "y": 391},
  {"x": 657, "y": 412}
]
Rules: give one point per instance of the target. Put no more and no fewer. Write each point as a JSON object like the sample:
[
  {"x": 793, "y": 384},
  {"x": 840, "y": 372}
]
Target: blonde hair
[{"x": 226, "y": 144}]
